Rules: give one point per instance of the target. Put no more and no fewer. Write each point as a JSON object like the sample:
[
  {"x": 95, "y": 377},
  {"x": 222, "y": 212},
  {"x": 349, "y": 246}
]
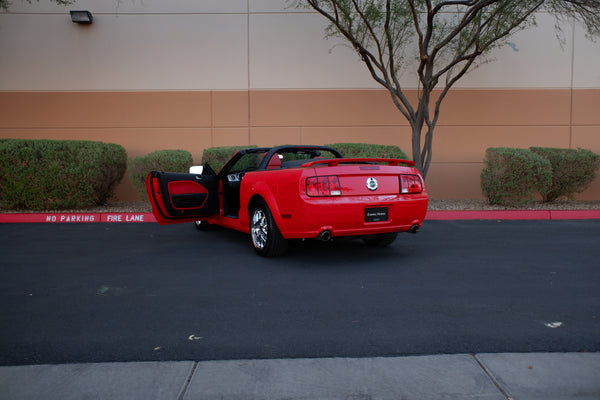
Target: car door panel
[
  {"x": 187, "y": 195},
  {"x": 177, "y": 197}
]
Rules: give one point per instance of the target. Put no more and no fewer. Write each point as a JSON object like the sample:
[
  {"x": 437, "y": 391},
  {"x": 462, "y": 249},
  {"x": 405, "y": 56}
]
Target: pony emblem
[{"x": 372, "y": 184}]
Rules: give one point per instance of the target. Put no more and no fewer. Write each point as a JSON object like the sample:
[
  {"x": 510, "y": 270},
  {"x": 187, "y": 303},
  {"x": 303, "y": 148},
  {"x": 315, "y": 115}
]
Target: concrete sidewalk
[{"x": 528, "y": 376}]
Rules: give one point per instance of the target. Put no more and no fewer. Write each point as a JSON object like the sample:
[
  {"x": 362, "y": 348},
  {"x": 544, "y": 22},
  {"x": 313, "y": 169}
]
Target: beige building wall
[{"x": 187, "y": 74}]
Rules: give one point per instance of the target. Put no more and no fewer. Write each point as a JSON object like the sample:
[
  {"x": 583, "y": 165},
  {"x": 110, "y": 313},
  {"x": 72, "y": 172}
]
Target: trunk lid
[{"x": 364, "y": 177}]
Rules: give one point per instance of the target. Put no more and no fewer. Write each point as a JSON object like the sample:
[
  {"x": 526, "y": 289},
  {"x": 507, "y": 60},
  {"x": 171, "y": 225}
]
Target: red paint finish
[{"x": 358, "y": 196}]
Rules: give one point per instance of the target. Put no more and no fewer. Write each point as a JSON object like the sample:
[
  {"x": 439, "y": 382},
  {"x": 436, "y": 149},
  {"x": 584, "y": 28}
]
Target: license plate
[{"x": 376, "y": 214}]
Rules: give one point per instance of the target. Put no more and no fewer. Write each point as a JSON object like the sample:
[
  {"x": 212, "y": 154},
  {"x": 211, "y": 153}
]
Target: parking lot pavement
[{"x": 482, "y": 376}]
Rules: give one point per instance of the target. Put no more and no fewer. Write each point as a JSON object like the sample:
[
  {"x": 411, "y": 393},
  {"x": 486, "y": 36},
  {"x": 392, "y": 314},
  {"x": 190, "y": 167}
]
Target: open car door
[{"x": 177, "y": 197}]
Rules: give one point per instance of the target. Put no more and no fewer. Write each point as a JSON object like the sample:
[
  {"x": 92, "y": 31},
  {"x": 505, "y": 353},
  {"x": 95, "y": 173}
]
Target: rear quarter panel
[{"x": 279, "y": 188}]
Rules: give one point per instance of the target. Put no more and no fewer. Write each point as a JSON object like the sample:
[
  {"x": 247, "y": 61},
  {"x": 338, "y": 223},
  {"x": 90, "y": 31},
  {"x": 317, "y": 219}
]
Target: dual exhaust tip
[
  {"x": 325, "y": 236},
  {"x": 414, "y": 228}
]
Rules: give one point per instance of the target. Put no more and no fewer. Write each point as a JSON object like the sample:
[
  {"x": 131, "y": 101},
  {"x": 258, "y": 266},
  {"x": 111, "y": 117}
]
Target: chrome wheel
[
  {"x": 266, "y": 237},
  {"x": 259, "y": 228}
]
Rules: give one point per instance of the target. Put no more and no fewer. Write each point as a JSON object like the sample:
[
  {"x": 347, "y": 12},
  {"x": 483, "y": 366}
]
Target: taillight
[
  {"x": 410, "y": 184},
  {"x": 323, "y": 186}
]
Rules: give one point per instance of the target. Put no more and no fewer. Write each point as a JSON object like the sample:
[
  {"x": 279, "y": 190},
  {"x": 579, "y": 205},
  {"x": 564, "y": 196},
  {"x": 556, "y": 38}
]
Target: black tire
[
  {"x": 381, "y": 240},
  {"x": 265, "y": 236}
]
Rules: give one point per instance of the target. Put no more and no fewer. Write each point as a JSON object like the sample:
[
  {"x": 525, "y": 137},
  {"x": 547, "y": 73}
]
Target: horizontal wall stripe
[{"x": 471, "y": 121}]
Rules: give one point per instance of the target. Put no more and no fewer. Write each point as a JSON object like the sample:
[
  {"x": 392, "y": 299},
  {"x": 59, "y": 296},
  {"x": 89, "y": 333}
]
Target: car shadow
[
  {"x": 341, "y": 251},
  {"x": 313, "y": 253}
]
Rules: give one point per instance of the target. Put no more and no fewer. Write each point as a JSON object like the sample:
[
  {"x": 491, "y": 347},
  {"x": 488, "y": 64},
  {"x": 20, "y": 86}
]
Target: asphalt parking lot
[
  {"x": 464, "y": 309},
  {"x": 142, "y": 292}
]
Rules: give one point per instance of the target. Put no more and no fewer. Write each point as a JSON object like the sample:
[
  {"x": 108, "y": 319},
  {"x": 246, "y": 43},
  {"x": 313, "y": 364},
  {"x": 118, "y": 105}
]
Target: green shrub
[
  {"x": 573, "y": 171},
  {"x": 58, "y": 174},
  {"x": 514, "y": 176},
  {"x": 217, "y": 157},
  {"x": 357, "y": 150},
  {"x": 160, "y": 160}
]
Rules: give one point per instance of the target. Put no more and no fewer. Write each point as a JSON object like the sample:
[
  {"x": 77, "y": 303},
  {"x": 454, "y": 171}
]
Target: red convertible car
[{"x": 295, "y": 192}]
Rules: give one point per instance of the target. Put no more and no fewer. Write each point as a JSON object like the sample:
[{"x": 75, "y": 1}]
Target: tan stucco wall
[{"x": 471, "y": 121}]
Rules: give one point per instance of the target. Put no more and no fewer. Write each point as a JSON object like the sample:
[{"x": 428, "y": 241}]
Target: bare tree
[{"x": 439, "y": 41}]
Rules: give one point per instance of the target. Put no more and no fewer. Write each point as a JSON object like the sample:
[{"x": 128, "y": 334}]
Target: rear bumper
[{"x": 345, "y": 216}]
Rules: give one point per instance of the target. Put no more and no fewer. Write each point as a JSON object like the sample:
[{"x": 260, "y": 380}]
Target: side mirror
[{"x": 196, "y": 169}]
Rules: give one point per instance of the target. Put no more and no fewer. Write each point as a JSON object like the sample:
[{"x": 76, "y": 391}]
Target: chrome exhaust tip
[
  {"x": 324, "y": 236},
  {"x": 414, "y": 228}
]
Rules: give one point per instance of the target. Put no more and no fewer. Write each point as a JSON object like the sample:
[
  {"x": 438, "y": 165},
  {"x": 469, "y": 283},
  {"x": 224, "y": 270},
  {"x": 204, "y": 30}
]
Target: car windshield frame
[
  {"x": 313, "y": 151},
  {"x": 257, "y": 158}
]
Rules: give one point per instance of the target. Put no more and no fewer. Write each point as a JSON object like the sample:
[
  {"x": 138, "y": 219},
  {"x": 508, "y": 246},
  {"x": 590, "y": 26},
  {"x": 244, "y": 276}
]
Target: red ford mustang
[{"x": 295, "y": 192}]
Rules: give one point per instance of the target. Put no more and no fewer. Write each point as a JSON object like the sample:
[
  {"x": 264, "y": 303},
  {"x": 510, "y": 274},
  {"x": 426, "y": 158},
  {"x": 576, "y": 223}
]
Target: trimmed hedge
[
  {"x": 58, "y": 174},
  {"x": 160, "y": 160},
  {"x": 514, "y": 176},
  {"x": 217, "y": 157},
  {"x": 356, "y": 150},
  {"x": 573, "y": 171}
]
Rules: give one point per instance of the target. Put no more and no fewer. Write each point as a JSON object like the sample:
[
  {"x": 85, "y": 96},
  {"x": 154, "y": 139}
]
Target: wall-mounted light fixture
[{"x": 82, "y": 17}]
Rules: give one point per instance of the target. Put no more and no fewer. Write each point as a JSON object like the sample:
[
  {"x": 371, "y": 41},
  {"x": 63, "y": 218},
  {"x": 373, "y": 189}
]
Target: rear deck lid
[{"x": 360, "y": 177}]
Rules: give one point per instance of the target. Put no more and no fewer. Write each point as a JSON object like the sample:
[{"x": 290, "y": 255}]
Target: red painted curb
[
  {"x": 85, "y": 218},
  {"x": 512, "y": 215},
  {"x": 575, "y": 214},
  {"x": 128, "y": 217},
  {"x": 488, "y": 214},
  {"x": 69, "y": 218}
]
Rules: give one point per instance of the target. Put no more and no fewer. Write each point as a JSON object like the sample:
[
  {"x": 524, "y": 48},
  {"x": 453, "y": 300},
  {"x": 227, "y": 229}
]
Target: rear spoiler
[{"x": 332, "y": 162}]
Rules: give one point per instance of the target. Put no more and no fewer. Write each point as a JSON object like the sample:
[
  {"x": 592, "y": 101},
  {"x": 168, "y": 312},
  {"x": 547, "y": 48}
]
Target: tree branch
[{"x": 467, "y": 19}]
